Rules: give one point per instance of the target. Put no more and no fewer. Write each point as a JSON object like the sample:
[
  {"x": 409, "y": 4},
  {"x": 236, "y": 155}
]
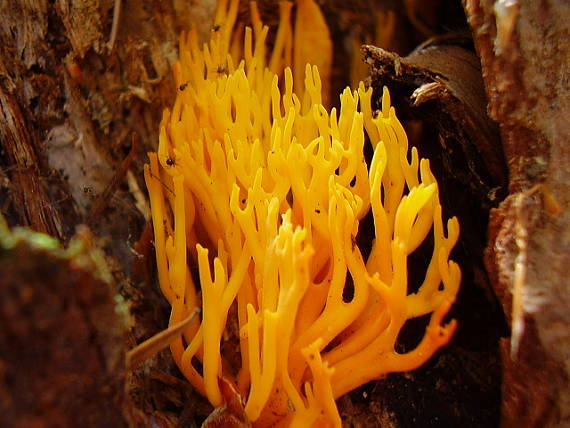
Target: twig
[
  {"x": 142, "y": 352},
  {"x": 115, "y": 25}
]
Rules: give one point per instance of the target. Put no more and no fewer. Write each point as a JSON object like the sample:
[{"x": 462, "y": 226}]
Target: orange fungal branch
[{"x": 263, "y": 188}]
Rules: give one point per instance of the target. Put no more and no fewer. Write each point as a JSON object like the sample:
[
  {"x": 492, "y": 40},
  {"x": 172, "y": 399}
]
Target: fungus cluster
[{"x": 257, "y": 194}]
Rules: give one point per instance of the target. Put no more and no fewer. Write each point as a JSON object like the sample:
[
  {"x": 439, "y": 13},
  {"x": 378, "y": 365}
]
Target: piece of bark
[
  {"x": 525, "y": 55},
  {"x": 446, "y": 79}
]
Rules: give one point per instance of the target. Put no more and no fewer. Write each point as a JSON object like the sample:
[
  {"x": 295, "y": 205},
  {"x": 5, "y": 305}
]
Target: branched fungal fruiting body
[{"x": 268, "y": 190}]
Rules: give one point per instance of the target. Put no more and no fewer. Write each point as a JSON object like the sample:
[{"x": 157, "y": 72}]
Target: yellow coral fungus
[{"x": 264, "y": 189}]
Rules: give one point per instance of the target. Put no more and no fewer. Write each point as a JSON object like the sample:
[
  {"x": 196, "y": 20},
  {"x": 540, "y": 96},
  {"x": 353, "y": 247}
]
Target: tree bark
[{"x": 526, "y": 61}]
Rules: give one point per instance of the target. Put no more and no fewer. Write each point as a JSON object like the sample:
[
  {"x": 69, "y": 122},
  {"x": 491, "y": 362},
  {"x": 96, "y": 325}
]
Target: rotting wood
[{"x": 28, "y": 192}]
